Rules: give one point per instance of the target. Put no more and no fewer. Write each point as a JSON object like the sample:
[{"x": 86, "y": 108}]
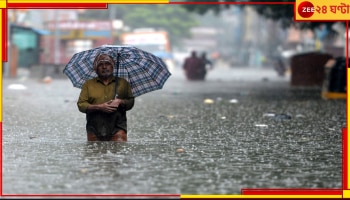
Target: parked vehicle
[{"x": 154, "y": 41}]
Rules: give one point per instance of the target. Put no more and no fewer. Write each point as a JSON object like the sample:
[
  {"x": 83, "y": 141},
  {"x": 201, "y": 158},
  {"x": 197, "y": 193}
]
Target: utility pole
[
  {"x": 9, "y": 43},
  {"x": 112, "y": 12},
  {"x": 57, "y": 41}
]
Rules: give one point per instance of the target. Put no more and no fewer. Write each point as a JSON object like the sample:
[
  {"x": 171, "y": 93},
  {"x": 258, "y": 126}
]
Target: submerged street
[{"x": 241, "y": 128}]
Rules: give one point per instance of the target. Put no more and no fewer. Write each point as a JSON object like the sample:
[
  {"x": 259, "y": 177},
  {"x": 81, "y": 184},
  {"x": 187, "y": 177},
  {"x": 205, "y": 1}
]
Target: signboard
[
  {"x": 75, "y": 25},
  {"x": 144, "y": 38}
]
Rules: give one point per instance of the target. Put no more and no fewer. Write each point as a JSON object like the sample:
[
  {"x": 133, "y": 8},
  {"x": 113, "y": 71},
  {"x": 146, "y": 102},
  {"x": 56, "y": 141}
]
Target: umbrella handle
[{"x": 116, "y": 78}]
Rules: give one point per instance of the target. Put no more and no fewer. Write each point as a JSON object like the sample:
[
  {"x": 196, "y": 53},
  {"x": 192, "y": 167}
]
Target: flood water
[{"x": 231, "y": 128}]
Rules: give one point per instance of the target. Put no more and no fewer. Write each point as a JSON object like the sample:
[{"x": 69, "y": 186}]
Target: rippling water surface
[{"x": 234, "y": 142}]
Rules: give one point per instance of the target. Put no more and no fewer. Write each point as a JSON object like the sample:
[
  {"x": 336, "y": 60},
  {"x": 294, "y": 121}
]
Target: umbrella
[{"x": 144, "y": 71}]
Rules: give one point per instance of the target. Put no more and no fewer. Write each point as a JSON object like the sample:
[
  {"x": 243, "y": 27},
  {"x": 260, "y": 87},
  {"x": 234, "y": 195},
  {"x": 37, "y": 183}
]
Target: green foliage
[{"x": 282, "y": 11}]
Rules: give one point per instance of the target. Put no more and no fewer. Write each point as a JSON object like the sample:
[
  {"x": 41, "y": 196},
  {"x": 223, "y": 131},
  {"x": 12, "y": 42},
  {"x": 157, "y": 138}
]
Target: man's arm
[
  {"x": 126, "y": 98},
  {"x": 83, "y": 102},
  {"x": 85, "y": 107},
  {"x": 104, "y": 107}
]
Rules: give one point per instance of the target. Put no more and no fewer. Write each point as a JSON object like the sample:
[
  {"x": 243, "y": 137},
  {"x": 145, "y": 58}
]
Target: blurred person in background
[
  {"x": 208, "y": 63},
  {"x": 280, "y": 67},
  {"x": 194, "y": 67}
]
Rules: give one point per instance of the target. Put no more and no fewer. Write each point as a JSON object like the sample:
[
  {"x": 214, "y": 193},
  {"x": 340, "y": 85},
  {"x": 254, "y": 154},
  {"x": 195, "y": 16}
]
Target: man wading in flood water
[{"x": 105, "y": 114}]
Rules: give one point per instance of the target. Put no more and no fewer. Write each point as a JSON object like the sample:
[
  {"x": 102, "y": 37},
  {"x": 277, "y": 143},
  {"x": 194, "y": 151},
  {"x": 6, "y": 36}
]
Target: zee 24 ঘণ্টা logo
[
  {"x": 335, "y": 10},
  {"x": 306, "y": 9}
]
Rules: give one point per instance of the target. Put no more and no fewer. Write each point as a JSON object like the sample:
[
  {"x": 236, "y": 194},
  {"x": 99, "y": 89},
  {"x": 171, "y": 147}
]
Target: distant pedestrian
[
  {"x": 280, "y": 67},
  {"x": 208, "y": 64},
  {"x": 194, "y": 67}
]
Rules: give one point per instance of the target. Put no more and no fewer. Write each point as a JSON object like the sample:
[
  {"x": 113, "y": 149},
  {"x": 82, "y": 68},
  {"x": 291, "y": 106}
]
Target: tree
[{"x": 282, "y": 11}]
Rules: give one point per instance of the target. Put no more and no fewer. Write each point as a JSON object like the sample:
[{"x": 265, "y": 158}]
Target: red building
[{"x": 71, "y": 37}]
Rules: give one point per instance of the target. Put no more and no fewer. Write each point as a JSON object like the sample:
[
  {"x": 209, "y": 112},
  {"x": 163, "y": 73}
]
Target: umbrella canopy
[{"x": 144, "y": 71}]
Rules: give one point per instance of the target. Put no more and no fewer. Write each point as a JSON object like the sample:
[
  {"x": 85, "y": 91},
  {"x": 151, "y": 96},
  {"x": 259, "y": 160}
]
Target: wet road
[{"x": 238, "y": 129}]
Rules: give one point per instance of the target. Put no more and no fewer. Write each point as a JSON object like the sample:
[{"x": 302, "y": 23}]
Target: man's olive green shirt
[{"x": 95, "y": 92}]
